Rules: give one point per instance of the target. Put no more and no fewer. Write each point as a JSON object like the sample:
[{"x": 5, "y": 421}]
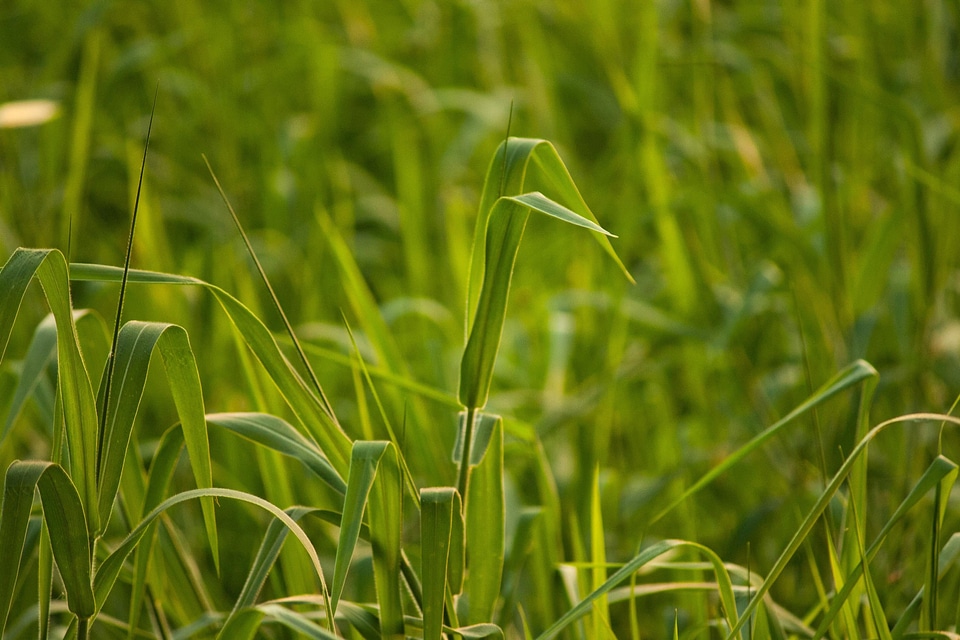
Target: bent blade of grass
[
  {"x": 109, "y": 570},
  {"x": 940, "y": 469},
  {"x": 136, "y": 343},
  {"x": 485, "y": 517},
  {"x": 439, "y": 507},
  {"x": 63, "y": 513},
  {"x": 279, "y": 435},
  {"x": 507, "y": 175},
  {"x": 331, "y": 438},
  {"x": 853, "y": 374},
  {"x": 822, "y": 502},
  {"x": 654, "y": 551},
  {"x": 73, "y": 382}
]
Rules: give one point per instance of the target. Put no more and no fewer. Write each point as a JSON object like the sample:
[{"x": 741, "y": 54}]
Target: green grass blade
[
  {"x": 505, "y": 226},
  {"x": 136, "y": 343},
  {"x": 600, "y": 614},
  {"x": 242, "y": 626},
  {"x": 438, "y": 508},
  {"x": 279, "y": 435},
  {"x": 485, "y": 517},
  {"x": 331, "y": 438},
  {"x": 296, "y": 622},
  {"x": 66, "y": 525},
  {"x": 385, "y": 517},
  {"x": 939, "y": 469},
  {"x": 363, "y": 469},
  {"x": 725, "y": 586},
  {"x": 39, "y": 354},
  {"x": 76, "y": 392},
  {"x": 849, "y": 376},
  {"x": 807, "y": 525},
  {"x": 109, "y": 569}
]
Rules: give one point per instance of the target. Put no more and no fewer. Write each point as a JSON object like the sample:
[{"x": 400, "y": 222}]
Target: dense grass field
[{"x": 663, "y": 434}]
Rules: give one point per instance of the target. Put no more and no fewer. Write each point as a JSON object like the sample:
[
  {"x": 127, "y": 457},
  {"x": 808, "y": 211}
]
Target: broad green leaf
[
  {"x": 480, "y": 436},
  {"x": 505, "y": 225},
  {"x": 438, "y": 508},
  {"x": 332, "y": 440},
  {"x": 507, "y": 175},
  {"x": 853, "y": 374},
  {"x": 279, "y": 435},
  {"x": 485, "y": 514},
  {"x": 66, "y": 526},
  {"x": 136, "y": 344},
  {"x": 73, "y": 382}
]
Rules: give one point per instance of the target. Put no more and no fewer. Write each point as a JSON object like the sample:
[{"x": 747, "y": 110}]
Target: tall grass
[{"x": 778, "y": 176}]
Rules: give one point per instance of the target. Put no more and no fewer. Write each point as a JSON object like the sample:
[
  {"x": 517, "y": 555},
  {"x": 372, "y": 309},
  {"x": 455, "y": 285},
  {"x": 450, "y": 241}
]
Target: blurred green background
[{"x": 783, "y": 176}]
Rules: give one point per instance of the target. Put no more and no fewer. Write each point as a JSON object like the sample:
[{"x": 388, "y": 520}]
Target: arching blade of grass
[
  {"x": 507, "y": 220},
  {"x": 940, "y": 469},
  {"x": 851, "y": 375},
  {"x": 825, "y": 497},
  {"x": 66, "y": 525},
  {"x": 75, "y": 390},
  {"x": 136, "y": 343},
  {"x": 507, "y": 175},
  {"x": 109, "y": 570},
  {"x": 654, "y": 551},
  {"x": 485, "y": 525},
  {"x": 279, "y": 435},
  {"x": 331, "y": 438},
  {"x": 439, "y": 514}
]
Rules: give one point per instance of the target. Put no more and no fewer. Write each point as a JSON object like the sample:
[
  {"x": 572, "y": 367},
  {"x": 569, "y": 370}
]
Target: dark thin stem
[
  {"x": 111, "y": 361},
  {"x": 324, "y": 402}
]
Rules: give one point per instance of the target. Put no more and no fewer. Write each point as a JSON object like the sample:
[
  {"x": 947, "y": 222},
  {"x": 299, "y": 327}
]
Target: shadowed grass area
[{"x": 780, "y": 178}]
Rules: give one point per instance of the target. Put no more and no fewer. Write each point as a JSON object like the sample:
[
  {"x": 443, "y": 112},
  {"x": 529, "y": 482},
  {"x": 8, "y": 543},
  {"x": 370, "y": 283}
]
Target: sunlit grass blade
[
  {"x": 438, "y": 508},
  {"x": 279, "y": 435},
  {"x": 654, "y": 551},
  {"x": 485, "y": 517},
  {"x": 600, "y": 614},
  {"x": 839, "y": 477},
  {"x": 75, "y": 390},
  {"x": 384, "y": 514},
  {"x": 507, "y": 175},
  {"x": 849, "y": 376},
  {"x": 67, "y": 529},
  {"x": 939, "y": 469},
  {"x": 505, "y": 225},
  {"x": 331, "y": 438}
]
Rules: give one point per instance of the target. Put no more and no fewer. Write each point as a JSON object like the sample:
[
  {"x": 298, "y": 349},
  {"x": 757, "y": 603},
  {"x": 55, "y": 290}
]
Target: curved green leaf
[
  {"x": 73, "y": 382},
  {"x": 308, "y": 408},
  {"x": 279, "y": 435},
  {"x": 136, "y": 344},
  {"x": 66, "y": 526}
]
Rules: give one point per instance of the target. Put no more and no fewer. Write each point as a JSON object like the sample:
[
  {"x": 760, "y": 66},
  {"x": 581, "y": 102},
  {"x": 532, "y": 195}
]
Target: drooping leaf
[{"x": 439, "y": 507}]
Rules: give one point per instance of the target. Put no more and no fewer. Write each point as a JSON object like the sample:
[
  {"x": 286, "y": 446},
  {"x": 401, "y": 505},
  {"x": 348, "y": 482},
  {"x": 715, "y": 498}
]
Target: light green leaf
[
  {"x": 485, "y": 527},
  {"x": 439, "y": 507},
  {"x": 279, "y": 435}
]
